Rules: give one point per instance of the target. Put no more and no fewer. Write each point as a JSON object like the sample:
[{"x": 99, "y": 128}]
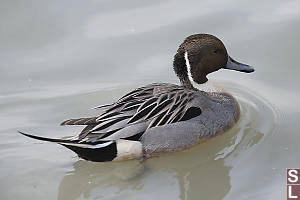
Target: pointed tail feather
[
  {"x": 48, "y": 139},
  {"x": 98, "y": 152}
]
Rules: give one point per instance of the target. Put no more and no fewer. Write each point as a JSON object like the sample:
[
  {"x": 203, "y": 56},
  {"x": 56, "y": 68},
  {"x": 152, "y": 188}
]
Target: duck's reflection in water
[
  {"x": 183, "y": 175},
  {"x": 167, "y": 177},
  {"x": 100, "y": 179}
]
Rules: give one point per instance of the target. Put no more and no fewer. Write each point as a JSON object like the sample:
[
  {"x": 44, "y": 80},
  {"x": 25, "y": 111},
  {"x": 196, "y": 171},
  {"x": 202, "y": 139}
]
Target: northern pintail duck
[{"x": 161, "y": 117}]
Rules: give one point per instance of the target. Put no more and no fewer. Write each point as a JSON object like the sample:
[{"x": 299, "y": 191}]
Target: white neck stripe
[{"x": 188, "y": 66}]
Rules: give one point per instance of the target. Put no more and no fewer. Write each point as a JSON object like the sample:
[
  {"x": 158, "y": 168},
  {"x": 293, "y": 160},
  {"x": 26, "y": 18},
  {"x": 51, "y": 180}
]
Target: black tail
[{"x": 99, "y": 151}]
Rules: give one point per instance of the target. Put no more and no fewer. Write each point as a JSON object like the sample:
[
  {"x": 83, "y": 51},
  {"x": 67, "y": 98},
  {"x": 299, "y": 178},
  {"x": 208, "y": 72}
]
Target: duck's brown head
[{"x": 201, "y": 54}]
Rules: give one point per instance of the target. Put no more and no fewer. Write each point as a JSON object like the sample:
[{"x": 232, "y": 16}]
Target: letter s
[{"x": 293, "y": 177}]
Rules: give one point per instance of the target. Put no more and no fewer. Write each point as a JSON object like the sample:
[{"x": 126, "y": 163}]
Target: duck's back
[
  {"x": 219, "y": 112},
  {"x": 163, "y": 117}
]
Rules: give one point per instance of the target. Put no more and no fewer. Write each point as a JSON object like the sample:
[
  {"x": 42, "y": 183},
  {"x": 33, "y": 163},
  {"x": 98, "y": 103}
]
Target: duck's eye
[{"x": 216, "y": 51}]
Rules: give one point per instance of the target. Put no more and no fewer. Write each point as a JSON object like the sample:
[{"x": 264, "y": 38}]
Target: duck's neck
[{"x": 181, "y": 69}]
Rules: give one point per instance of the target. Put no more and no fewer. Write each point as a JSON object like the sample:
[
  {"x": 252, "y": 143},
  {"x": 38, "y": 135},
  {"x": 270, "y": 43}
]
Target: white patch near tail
[{"x": 127, "y": 149}]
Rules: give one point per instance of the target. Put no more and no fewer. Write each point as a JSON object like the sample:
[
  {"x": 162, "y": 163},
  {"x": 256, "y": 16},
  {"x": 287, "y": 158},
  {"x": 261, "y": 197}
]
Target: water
[{"x": 58, "y": 59}]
